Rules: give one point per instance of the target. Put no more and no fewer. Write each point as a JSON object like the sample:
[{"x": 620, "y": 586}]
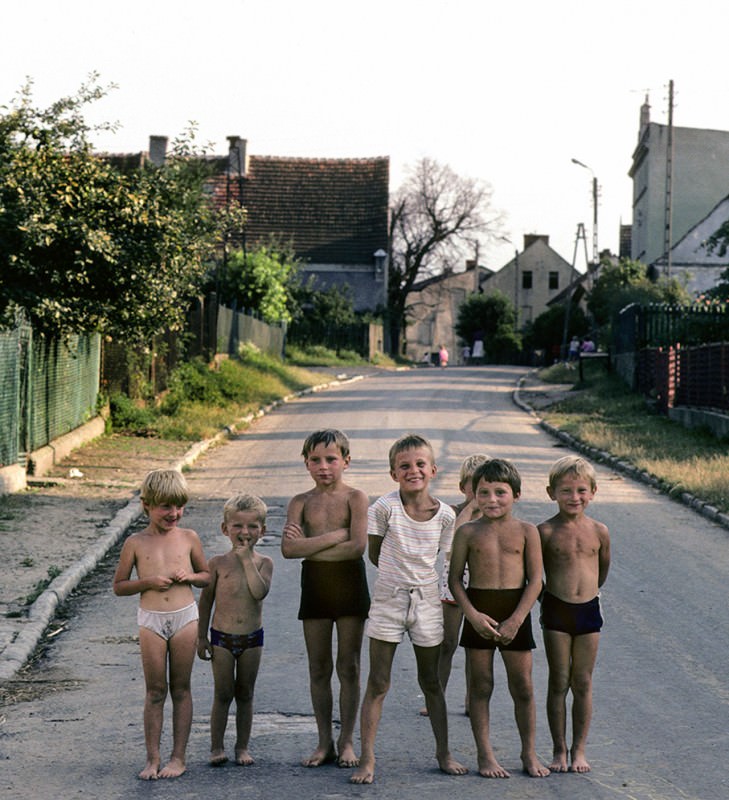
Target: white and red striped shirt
[{"x": 409, "y": 547}]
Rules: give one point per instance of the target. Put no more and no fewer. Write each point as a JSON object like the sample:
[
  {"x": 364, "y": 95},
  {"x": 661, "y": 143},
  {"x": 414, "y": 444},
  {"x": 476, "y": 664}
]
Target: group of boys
[{"x": 496, "y": 568}]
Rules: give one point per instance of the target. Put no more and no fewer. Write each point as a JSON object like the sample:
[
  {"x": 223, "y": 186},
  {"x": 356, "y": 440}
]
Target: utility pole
[
  {"x": 565, "y": 330},
  {"x": 668, "y": 218},
  {"x": 595, "y": 255}
]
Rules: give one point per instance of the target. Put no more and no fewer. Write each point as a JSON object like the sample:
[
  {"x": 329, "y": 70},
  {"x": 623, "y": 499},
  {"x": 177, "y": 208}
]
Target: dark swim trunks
[
  {"x": 499, "y": 604},
  {"x": 237, "y": 643},
  {"x": 573, "y": 618},
  {"x": 334, "y": 589}
]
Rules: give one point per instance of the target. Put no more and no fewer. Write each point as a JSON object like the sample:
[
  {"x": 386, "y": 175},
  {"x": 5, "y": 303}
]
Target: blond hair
[
  {"x": 245, "y": 502},
  {"x": 572, "y": 465},
  {"x": 409, "y": 441},
  {"x": 162, "y": 487},
  {"x": 468, "y": 467}
]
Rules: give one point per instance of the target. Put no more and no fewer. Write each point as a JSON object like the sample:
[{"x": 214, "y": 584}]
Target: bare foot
[
  {"x": 150, "y": 771},
  {"x": 492, "y": 769},
  {"x": 320, "y": 756},
  {"x": 243, "y": 758},
  {"x": 450, "y": 766},
  {"x": 559, "y": 763},
  {"x": 579, "y": 763},
  {"x": 423, "y": 712},
  {"x": 217, "y": 758},
  {"x": 347, "y": 757},
  {"x": 534, "y": 768},
  {"x": 365, "y": 773},
  {"x": 173, "y": 769}
]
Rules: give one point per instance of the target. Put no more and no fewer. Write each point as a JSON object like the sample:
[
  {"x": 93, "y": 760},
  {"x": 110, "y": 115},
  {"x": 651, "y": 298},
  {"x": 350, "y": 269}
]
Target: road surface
[{"x": 660, "y": 729}]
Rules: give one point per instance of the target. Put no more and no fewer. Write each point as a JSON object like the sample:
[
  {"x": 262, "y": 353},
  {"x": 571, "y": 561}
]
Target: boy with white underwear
[{"x": 168, "y": 561}]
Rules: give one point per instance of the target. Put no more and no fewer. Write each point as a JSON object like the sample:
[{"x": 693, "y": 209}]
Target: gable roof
[{"x": 333, "y": 211}]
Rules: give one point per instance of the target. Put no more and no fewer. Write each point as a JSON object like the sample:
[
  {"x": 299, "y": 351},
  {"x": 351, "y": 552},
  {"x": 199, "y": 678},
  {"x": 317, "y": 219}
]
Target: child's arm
[
  {"x": 604, "y": 554},
  {"x": 533, "y": 569},
  {"x": 205, "y": 607},
  {"x": 124, "y": 585},
  {"x": 199, "y": 576},
  {"x": 296, "y": 544},
  {"x": 356, "y": 542},
  {"x": 482, "y": 623},
  {"x": 258, "y": 576}
]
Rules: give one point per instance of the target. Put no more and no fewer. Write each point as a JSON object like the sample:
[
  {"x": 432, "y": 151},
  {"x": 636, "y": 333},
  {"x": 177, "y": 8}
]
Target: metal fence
[
  {"x": 659, "y": 325},
  {"x": 47, "y": 388}
]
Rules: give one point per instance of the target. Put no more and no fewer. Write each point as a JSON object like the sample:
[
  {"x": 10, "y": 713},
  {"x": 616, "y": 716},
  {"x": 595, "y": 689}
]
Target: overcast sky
[{"x": 505, "y": 92}]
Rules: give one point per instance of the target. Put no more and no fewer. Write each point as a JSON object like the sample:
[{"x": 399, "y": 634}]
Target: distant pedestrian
[
  {"x": 443, "y": 356},
  {"x": 168, "y": 560},
  {"x": 406, "y": 528},
  {"x": 465, "y": 354},
  {"x": 239, "y": 580},
  {"x": 588, "y": 346},
  {"x": 576, "y": 552},
  {"x": 327, "y": 528},
  {"x": 574, "y": 349}
]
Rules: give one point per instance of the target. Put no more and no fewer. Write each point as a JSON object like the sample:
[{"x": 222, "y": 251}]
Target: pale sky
[{"x": 505, "y": 92}]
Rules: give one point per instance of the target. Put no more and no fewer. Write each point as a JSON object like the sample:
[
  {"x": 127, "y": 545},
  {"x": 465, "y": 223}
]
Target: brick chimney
[
  {"x": 530, "y": 238},
  {"x": 157, "y": 150}
]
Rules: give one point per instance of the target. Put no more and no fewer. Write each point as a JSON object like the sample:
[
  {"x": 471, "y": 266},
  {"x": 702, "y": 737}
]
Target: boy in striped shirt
[{"x": 406, "y": 529}]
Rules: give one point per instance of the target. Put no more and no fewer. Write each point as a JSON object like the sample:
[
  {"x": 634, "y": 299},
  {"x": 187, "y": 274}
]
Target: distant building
[
  {"x": 699, "y": 184},
  {"x": 531, "y": 279},
  {"x": 333, "y": 211}
]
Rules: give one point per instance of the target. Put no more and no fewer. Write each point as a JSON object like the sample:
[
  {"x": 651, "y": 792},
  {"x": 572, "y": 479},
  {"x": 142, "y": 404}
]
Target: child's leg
[
  {"x": 452, "y": 618},
  {"x": 519, "y": 675},
  {"x": 223, "y": 663},
  {"x": 558, "y": 648},
  {"x": 584, "y": 654},
  {"x": 481, "y": 680},
  {"x": 182, "y": 656},
  {"x": 245, "y": 681},
  {"x": 318, "y": 638},
  {"x": 349, "y": 648},
  {"x": 378, "y": 684},
  {"x": 154, "y": 664},
  {"x": 427, "y": 659}
]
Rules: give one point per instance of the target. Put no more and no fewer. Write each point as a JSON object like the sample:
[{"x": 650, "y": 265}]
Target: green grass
[
  {"x": 602, "y": 412},
  {"x": 202, "y": 400}
]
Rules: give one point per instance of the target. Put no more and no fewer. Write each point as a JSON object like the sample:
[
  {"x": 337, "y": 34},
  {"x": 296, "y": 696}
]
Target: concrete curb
[
  {"x": 43, "y": 610},
  {"x": 624, "y": 467}
]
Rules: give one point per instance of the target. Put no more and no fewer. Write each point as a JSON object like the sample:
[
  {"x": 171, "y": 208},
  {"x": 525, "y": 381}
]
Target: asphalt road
[{"x": 660, "y": 725}]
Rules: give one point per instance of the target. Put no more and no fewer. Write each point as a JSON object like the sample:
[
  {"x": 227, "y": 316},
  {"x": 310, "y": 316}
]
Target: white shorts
[
  {"x": 167, "y": 623},
  {"x": 416, "y": 611},
  {"x": 445, "y": 592}
]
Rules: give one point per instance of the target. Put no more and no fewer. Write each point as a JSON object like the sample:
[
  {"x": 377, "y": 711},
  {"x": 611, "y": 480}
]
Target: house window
[
  {"x": 526, "y": 279},
  {"x": 554, "y": 280}
]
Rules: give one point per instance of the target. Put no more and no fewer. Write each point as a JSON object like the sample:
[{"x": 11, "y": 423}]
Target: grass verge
[{"x": 602, "y": 412}]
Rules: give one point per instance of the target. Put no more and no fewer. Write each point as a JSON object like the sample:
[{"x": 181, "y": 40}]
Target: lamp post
[{"x": 594, "y": 209}]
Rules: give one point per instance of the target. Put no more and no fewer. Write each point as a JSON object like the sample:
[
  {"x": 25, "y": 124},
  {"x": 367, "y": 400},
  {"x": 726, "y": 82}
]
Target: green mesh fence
[{"x": 47, "y": 388}]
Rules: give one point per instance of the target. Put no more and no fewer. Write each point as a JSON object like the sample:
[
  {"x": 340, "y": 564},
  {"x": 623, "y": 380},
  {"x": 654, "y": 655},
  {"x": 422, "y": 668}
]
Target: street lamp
[{"x": 594, "y": 210}]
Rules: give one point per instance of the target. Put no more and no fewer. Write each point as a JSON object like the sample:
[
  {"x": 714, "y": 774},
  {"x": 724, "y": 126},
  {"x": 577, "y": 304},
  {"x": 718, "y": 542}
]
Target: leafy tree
[
  {"x": 437, "y": 218},
  {"x": 324, "y": 317},
  {"x": 85, "y": 247},
  {"x": 547, "y": 330},
  {"x": 627, "y": 282},
  {"x": 719, "y": 292},
  {"x": 262, "y": 280},
  {"x": 490, "y": 317}
]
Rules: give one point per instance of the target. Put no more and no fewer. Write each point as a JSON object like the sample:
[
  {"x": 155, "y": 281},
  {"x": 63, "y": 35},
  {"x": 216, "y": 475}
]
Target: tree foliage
[
  {"x": 262, "y": 281},
  {"x": 627, "y": 282},
  {"x": 546, "y": 332},
  {"x": 437, "y": 218},
  {"x": 491, "y": 318},
  {"x": 85, "y": 247}
]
